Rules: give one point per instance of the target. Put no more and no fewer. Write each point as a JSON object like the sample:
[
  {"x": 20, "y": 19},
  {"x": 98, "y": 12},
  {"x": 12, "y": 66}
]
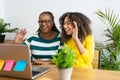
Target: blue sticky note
[{"x": 20, "y": 65}]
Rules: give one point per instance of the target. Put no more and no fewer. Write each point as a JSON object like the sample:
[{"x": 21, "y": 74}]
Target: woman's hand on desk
[
  {"x": 37, "y": 62},
  {"x": 41, "y": 62}
]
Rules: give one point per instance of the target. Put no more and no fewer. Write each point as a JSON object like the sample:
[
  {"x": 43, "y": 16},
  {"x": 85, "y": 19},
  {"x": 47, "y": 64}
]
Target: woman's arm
[
  {"x": 76, "y": 39},
  {"x": 86, "y": 49}
]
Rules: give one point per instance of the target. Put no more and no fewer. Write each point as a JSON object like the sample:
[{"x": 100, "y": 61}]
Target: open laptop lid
[{"x": 11, "y": 56}]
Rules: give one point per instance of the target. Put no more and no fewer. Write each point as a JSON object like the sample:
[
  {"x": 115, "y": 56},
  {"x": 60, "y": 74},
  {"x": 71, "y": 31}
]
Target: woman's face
[
  {"x": 68, "y": 27},
  {"x": 45, "y": 23}
]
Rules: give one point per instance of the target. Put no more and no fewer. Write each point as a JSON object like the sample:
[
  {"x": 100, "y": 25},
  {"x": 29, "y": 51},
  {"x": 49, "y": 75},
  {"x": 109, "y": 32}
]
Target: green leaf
[
  {"x": 65, "y": 58},
  {"x": 112, "y": 44},
  {"x": 4, "y": 27}
]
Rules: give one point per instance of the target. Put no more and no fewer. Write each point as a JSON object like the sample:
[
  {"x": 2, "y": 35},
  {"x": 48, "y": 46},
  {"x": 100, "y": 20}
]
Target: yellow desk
[{"x": 78, "y": 74}]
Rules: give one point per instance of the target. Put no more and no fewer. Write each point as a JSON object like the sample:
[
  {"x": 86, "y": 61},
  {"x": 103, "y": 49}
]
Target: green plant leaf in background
[
  {"x": 111, "y": 52},
  {"x": 4, "y": 27}
]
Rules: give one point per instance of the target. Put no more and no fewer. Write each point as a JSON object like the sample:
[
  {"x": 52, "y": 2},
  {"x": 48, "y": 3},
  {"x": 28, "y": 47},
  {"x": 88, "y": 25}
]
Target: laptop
[{"x": 15, "y": 62}]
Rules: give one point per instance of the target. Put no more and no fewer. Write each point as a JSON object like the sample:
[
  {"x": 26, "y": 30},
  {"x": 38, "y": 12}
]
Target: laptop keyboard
[{"x": 35, "y": 73}]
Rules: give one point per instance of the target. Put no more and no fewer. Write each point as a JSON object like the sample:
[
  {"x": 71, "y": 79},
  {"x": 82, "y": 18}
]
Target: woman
[
  {"x": 77, "y": 34},
  {"x": 43, "y": 44}
]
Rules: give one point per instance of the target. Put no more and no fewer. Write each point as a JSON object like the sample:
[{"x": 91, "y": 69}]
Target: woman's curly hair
[{"x": 83, "y": 24}]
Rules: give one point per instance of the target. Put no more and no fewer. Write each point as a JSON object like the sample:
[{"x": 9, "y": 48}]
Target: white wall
[
  {"x": 24, "y": 13},
  {"x": 2, "y": 9}
]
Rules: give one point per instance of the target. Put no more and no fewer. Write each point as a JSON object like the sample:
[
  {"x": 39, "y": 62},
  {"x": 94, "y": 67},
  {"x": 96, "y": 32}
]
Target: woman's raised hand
[
  {"x": 75, "y": 31},
  {"x": 19, "y": 38}
]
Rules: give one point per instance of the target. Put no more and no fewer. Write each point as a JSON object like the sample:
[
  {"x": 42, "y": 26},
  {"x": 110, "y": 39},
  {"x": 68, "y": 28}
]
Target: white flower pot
[{"x": 65, "y": 74}]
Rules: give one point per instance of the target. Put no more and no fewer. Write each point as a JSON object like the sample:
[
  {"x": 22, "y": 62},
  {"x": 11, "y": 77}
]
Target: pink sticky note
[{"x": 9, "y": 65}]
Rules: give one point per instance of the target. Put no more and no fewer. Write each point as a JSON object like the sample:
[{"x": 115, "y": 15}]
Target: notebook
[{"x": 15, "y": 62}]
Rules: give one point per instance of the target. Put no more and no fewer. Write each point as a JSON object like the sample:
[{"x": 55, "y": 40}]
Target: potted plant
[
  {"x": 110, "y": 53},
  {"x": 64, "y": 60},
  {"x": 4, "y": 28}
]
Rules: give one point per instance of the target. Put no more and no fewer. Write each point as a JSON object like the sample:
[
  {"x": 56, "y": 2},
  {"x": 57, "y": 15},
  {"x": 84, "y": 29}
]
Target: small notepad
[
  {"x": 1, "y": 64},
  {"x": 9, "y": 65},
  {"x": 20, "y": 65}
]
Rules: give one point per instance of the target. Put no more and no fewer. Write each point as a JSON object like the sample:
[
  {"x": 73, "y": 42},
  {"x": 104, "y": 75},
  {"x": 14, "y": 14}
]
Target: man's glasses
[{"x": 44, "y": 21}]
